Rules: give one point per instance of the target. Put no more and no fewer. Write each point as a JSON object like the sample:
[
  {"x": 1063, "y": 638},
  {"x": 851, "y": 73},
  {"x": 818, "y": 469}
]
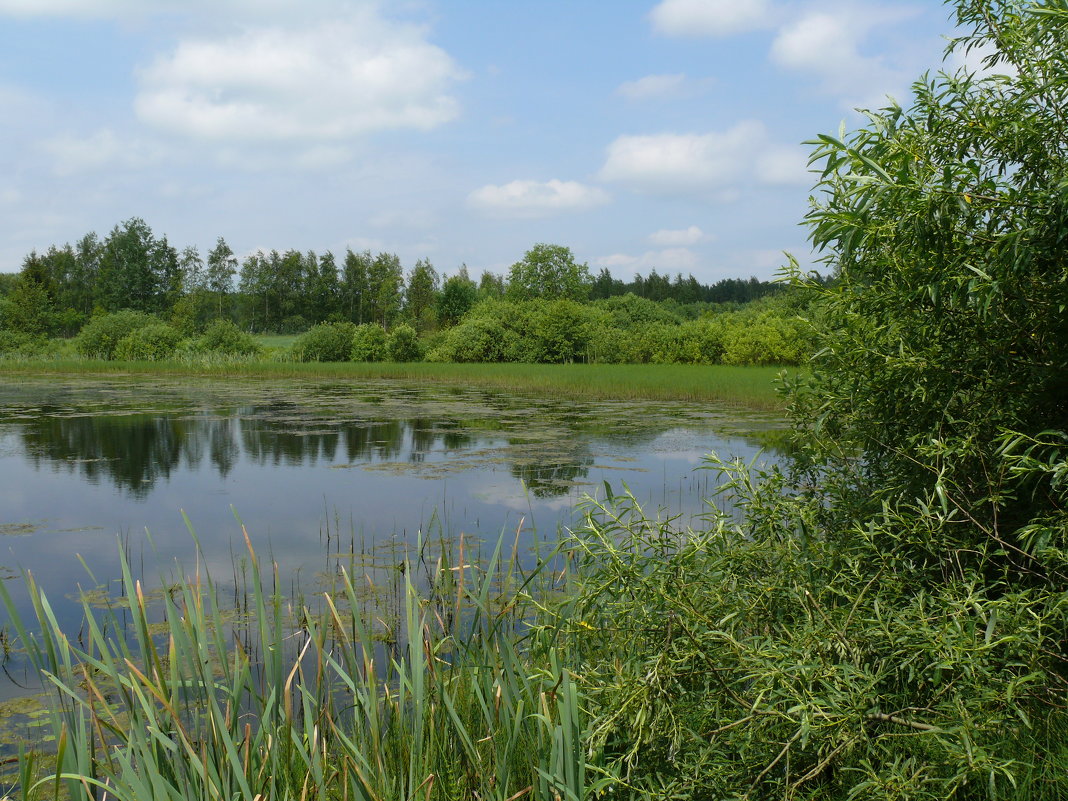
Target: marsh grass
[
  {"x": 183, "y": 699},
  {"x": 754, "y": 387}
]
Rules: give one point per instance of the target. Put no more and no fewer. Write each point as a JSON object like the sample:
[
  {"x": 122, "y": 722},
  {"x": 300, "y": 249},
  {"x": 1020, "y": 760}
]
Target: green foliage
[
  {"x": 19, "y": 345},
  {"x": 369, "y": 343},
  {"x": 289, "y": 701},
  {"x": 293, "y": 324},
  {"x": 550, "y": 272},
  {"x": 136, "y": 270},
  {"x": 629, "y": 310},
  {"x": 765, "y": 339},
  {"x": 421, "y": 298},
  {"x": 402, "y": 345},
  {"x": 458, "y": 295},
  {"x": 223, "y": 336},
  {"x": 28, "y": 308},
  {"x": 150, "y": 343},
  {"x": 219, "y": 276},
  {"x": 559, "y": 332},
  {"x": 476, "y": 339},
  {"x": 101, "y": 335},
  {"x": 888, "y": 620},
  {"x": 327, "y": 342}
]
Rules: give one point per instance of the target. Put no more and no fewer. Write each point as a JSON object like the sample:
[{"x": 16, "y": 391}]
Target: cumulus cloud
[
  {"x": 828, "y": 46},
  {"x": 658, "y": 87},
  {"x": 81, "y": 8},
  {"x": 711, "y": 17},
  {"x": 673, "y": 162},
  {"x": 103, "y": 149},
  {"x": 667, "y": 260},
  {"x": 126, "y": 9},
  {"x": 783, "y": 166},
  {"x": 676, "y": 237},
  {"x": 708, "y": 164},
  {"x": 536, "y": 198},
  {"x": 328, "y": 81}
]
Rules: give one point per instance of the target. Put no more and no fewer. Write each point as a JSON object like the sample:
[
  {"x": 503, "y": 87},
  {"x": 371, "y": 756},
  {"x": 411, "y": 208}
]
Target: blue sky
[{"x": 641, "y": 134}]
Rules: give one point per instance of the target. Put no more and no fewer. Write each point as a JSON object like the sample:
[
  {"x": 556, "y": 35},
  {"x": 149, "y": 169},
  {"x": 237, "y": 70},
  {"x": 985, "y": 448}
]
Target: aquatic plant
[{"x": 446, "y": 699}]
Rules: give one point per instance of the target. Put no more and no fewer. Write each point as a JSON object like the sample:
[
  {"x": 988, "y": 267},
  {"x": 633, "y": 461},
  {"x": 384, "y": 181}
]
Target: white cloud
[
  {"x": 536, "y": 198},
  {"x": 667, "y": 260},
  {"x": 973, "y": 61},
  {"x": 709, "y": 164},
  {"x": 657, "y": 87},
  {"x": 828, "y": 46},
  {"x": 676, "y": 237},
  {"x": 784, "y": 166},
  {"x": 103, "y": 149},
  {"x": 80, "y": 8},
  {"x": 126, "y": 9},
  {"x": 670, "y": 163},
  {"x": 328, "y": 81},
  {"x": 711, "y": 17},
  {"x": 322, "y": 157}
]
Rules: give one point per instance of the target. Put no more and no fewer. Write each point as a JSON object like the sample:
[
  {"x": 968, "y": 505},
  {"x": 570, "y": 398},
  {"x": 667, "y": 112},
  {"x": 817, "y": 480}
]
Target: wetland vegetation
[{"x": 881, "y": 615}]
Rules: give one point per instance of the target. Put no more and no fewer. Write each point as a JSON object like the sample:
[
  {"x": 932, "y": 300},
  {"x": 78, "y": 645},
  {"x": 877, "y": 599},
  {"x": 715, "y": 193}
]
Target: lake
[{"x": 318, "y": 471}]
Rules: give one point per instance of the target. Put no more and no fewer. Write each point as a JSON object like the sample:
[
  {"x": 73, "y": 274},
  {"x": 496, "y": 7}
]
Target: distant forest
[{"x": 289, "y": 291}]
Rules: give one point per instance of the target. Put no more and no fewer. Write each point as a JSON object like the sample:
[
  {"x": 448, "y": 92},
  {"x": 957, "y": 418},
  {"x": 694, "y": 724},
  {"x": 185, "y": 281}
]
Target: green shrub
[
  {"x": 701, "y": 341},
  {"x": 151, "y": 343},
  {"x": 28, "y": 308},
  {"x": 368, "y": 343},
  {"x": 765, "y": 339},
  {"x": 657, "y": 343},
  {"x": 19, "y": 344},
  {"x": 559, "y": 331},
  {"x": 474, "y": 340},
  {"x": 326, "y": 342},
  {"x": 629, "y": 310},
  {"x": 606, "y": 343},
  {"x": 222, "y": 336},
  {"x": 403, "y": 345},
  {"x": 101, "y": 335}
]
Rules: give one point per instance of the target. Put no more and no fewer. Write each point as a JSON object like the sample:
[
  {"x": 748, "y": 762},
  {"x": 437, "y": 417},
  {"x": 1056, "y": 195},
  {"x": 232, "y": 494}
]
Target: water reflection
[
  {"x": 137, "y": 451},
  {"x": 319, "y": 473}
]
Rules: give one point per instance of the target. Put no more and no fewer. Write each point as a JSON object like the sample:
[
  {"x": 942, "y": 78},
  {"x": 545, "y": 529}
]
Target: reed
[{"x": 456, "y": 699}]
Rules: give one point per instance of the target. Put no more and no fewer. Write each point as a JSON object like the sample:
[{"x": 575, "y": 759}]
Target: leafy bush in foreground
[{"x": 889, "y": 621}]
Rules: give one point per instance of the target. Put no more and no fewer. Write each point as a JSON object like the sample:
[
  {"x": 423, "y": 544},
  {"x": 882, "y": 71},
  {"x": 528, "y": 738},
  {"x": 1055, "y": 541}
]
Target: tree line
[{"x": 57, "y": 291}]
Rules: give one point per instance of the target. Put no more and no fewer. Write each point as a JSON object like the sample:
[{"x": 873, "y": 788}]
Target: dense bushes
[
  {"x": 403, "y": 345},
  {"x": 100, "y": 337},
  {"x": 888, "y": 621},
  {"x": 328, "y": 342},
  {"x": 368, "y": 343},
  {"x": 624, "y": 329},
  {"x": 222, "y": 336},
  {"x": 150, "y": 343},
  {"x": 139, "y": 336}
]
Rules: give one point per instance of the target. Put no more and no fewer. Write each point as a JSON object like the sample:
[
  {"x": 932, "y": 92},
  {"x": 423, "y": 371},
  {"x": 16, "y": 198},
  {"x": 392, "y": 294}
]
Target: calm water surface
[{"x": 317, "y": 469}]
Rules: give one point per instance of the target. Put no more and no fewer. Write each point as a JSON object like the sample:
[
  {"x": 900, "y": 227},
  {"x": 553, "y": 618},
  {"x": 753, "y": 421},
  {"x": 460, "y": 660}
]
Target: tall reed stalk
[{"x": 184, "y": 701}]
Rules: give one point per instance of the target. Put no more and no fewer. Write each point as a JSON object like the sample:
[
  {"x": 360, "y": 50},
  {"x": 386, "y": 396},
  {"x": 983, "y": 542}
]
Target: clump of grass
[{"x": 455, "y": 702}]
